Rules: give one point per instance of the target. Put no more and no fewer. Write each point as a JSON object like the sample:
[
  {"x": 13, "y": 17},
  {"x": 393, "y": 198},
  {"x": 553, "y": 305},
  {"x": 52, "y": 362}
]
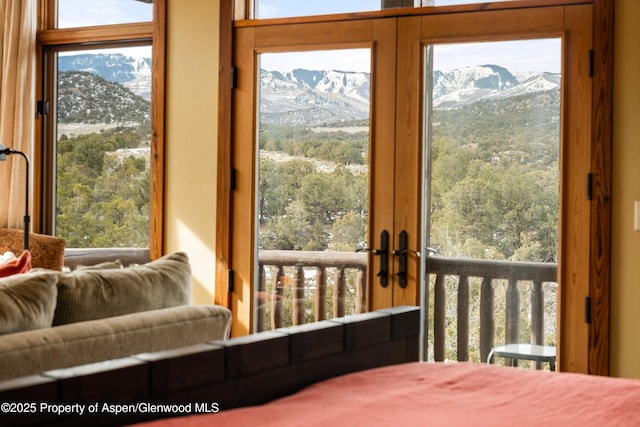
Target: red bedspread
[{"x": 435, "y": 394}]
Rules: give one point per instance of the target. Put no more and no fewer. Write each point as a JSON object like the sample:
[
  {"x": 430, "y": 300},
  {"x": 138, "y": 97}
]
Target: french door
[{"x": 395, "y": 164}]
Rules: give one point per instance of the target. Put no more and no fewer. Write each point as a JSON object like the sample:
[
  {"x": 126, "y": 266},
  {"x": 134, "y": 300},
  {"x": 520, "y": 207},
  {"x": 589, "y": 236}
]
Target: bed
[
  {"x": 438, "y": 394},
  {"x": 355, "y": 371}
]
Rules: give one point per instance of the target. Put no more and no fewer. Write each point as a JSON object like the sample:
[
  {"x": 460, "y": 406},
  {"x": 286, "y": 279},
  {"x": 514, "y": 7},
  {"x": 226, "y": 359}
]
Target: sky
[{"x": 80, "y": 13}]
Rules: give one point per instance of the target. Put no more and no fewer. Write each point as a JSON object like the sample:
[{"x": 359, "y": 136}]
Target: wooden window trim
[
  {"x": 108, "y": 36},
  {"x": 143, "y": 31}
]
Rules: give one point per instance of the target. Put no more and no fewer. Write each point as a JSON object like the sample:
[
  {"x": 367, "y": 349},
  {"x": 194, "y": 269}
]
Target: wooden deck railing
[
  {"x": 288, "y": 271},
  {"x": 282, "y": 270},
  {"x": 489, "y": 272},
  {"x": 74, "y": 257}
]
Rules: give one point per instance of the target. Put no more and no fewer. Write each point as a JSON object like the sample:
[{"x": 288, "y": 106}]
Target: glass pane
[
  {"x": 265, "y": 9},
  {"x": 493, "y": 138},
  {"x": 313, "y": 179},
  {"x": 84, "y": 13},
  {"x": 103, "y": 136}
]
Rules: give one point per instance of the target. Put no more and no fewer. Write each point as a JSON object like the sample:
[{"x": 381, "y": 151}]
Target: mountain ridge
[{"x": 316, "y": 97}]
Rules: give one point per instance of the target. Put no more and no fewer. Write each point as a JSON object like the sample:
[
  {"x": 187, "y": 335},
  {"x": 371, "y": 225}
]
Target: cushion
[
  {"x": 89, "y": 294},
  {"x": 7, "y": 256},
  {"x": 27, "y": 301},
  {"x": 46, "y": 251},
  {"x": 21, "y": 264}
]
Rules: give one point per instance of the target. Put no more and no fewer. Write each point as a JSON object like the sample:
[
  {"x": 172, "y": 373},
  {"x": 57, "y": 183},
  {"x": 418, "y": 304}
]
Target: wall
[
  {"x": 191, "y": 132},
  {"x": 625, "y": 287},
  {"x": 191, "y": 159}
]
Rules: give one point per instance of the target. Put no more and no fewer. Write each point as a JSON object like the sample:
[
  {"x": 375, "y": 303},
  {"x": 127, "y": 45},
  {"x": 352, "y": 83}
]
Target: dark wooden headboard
[{"x": 221, "y": 375}]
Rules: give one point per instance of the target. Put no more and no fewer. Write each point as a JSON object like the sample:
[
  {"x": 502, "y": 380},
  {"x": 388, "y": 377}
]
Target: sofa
[{"x": 52, "y": 320}]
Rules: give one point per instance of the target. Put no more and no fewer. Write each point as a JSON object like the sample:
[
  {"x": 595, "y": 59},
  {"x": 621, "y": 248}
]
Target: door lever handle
[
  {"x": 398, "y": 252},
  {"x": 370, "y": 250},
  {"x": 402, "y": 253},
  {"x": 429, "y": 250},
  {"x": 383, "y": 253}
]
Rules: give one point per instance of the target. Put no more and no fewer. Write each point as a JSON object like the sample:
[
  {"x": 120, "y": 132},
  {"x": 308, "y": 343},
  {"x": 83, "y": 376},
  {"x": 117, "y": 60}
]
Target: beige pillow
[
  {"x": 27, "y": 301},
  {"x": 90, "y": 294}
]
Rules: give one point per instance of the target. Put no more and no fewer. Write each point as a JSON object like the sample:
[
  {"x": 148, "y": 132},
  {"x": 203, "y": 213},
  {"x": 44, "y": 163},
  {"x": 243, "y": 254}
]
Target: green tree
[
  {"x": 348, "y": 231},
  {"x": 293, "y": 231},
  {"x": 103, "y": 197}
]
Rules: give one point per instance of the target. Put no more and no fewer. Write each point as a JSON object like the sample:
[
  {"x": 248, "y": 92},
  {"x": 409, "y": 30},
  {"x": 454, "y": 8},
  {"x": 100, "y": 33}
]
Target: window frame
[{"x": 104, "y": 36}]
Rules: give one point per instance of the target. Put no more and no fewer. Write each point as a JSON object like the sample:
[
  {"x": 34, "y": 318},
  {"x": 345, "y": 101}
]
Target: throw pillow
[
  {"x": 7, "y": 256},
  {"x": 27, "y": 301},
  {"x": 22, "y": 264},
  {"x": 90, "y": 294}
]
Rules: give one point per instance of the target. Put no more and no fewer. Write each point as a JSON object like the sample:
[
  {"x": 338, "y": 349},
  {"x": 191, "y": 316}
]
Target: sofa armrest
[{"x": 31, "y": 352}]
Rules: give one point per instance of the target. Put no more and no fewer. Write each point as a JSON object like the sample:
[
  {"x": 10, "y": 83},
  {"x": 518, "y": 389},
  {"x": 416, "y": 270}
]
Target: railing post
[
  {"x": 262, "y": 299},
  {"x": 277, "y": 295},
  {"x": 463, "y": 319},
  {"x": 439, "y": 317},
  {"x": 487, "y": 321},
  {"x": 537, "y": 316},
  {"x": 361, "y": 291},
  {"x": 512, "y": 321},
  {"x": 537, "y": 313},
  {"x": 298, "y": 297},
  {"x": 321, "y": 294},
  {"x": 338, "y": 293}
]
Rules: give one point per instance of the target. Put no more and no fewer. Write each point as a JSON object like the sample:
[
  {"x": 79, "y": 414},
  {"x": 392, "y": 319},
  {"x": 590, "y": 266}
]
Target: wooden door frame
[
  {"x": 602, "y": 139},
  {"x": 598, "y": 303},
  {"x": 377, "y": 35}
]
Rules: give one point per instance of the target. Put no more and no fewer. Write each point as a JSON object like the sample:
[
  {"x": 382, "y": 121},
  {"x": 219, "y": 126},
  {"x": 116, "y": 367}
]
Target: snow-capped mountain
[
  {"x": 465, "y": 86},
  {"x": 315, "y": 97},
  {"x": 303, "y": 97},
  {"x": 131, "y": 72}
]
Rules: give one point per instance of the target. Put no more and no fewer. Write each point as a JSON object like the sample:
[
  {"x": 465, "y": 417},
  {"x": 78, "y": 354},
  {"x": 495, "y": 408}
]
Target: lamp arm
[{"x": 27, "y": 218}]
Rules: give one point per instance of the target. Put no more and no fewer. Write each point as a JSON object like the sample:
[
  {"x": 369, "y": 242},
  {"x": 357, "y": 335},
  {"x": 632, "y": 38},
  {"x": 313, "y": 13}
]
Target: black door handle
[
  {"x": 383, "y": 252},
  {"x": 401, "y": 253}
]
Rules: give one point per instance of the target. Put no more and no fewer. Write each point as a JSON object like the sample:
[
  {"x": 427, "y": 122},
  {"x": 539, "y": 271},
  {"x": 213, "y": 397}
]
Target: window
[
  {"x": 266, "y": 9},
  {"x": 84, "y": 13},
  {"x": 97, "y": 119}
]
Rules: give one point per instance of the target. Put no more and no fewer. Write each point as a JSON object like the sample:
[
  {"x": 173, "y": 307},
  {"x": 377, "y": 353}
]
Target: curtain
[{"x": 18, "y": 20}]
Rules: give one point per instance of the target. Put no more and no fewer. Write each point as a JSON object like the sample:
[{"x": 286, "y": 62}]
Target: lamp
[{"x": 4, "y": 152}]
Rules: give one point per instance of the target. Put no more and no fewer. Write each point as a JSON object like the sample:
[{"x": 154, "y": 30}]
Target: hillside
[
  {"x": 525, "y": 128},
  {"x": 87, "y": 98}
]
